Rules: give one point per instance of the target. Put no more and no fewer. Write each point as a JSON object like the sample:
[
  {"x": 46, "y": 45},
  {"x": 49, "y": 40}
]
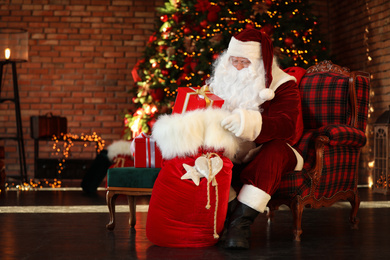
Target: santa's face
[
  {"x": 239, "y": 62},
  {"x": 238, "y": 81}
]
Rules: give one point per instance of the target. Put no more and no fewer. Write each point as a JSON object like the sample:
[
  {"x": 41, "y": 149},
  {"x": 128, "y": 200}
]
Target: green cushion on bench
[{"x": 130, "y": 177}]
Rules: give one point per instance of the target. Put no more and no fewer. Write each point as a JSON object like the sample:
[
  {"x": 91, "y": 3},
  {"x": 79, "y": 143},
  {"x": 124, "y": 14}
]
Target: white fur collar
[{"x": 279, "y": 76}]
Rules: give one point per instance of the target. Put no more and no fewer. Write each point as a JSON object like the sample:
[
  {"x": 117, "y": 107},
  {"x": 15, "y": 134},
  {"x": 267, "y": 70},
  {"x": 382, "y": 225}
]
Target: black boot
[
  {"x": 239, "y": 231},
  {"x": 231, "y": 207}
]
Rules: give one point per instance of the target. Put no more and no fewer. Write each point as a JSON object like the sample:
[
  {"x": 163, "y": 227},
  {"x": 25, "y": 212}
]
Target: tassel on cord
[{"x": 209, "y": 180}]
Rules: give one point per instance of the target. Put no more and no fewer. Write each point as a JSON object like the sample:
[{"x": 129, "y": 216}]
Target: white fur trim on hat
[
  {"x": 267, "y": 94},
  {"x": 180, "y": 135},
  {"x": 253, "y": 197},
  {"x": 249, "y": 49}
]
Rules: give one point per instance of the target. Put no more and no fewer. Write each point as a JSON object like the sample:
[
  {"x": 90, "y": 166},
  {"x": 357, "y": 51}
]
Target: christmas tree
[{"x": 190, "y": 35}]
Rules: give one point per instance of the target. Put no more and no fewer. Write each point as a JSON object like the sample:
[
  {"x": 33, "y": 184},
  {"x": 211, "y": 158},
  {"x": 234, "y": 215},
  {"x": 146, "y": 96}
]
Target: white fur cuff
[
  {"x": 253, "y": 197},
  {"x": 251, "y": 124}
]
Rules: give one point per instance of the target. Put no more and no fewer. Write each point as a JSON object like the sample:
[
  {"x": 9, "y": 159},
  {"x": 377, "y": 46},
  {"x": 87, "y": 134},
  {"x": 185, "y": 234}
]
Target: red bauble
[
  {"x": 288, "y": 41},
  {"x": 215, "y": 56},
  {"x": 165, "y": 72},
  {"x": 164, "y": 18},
  {"x": 212, "y": 17},
  {"x": 187, "y": 30},
  {"x": 177, "y": 17},
  {"x": 157, "y": 94},
  {"x": 204, "y": 23}
]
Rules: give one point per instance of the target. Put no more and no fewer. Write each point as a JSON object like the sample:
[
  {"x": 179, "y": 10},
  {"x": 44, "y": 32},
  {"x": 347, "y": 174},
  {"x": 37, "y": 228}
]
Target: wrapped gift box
[
  {"x": 146, "y": 152},
  {"x": 191, "y": 98}
]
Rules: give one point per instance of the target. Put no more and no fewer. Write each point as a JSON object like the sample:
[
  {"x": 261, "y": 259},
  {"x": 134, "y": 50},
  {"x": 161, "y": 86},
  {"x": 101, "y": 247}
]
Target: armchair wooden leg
[
  {"x": 355, "y": 203},
  {"x": 132, "y": 204},
  {"x": 110, "y": 198},
  {"x": 297, "y": 211}
]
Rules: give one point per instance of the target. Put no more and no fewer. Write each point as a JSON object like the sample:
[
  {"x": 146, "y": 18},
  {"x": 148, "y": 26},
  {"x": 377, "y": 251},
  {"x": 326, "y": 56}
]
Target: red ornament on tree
[
  {"x": 165, "y": 72},
  {"x": 157, "y": 94},
  {"x": 204, "y": 23},
  {"x": 212, "y": 16},
  {"x": 187, "y": 30},
  {"x": 164, "y": 18},
  {"x": 215, "y": 56},
  {"x": 177, "y": 17},
  {"x": 288, "y": 41}
]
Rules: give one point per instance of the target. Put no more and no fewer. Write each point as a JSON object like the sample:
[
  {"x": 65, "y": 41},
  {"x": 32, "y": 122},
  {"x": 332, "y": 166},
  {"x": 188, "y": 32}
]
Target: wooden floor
[{"x": 68, "y": 224}]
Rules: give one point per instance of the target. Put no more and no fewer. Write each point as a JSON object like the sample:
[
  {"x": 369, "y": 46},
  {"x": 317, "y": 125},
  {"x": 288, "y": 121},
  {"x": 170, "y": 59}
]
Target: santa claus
[
  {"x": 266, "y": 111},
  {"x": 257, "y": 127}
]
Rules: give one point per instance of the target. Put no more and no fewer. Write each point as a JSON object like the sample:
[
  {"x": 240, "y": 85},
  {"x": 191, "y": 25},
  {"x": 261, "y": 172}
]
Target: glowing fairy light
[{"x": 7, "y": 53}]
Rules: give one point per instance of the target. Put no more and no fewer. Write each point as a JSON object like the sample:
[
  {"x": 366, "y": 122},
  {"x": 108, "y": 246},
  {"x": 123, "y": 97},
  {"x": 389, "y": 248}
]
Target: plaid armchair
[{"x": 335, "y": 105}]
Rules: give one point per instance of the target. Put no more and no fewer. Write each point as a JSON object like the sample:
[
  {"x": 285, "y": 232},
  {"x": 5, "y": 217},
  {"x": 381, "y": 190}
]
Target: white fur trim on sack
[
  {"x": 180, "y": 135},
  {"x": 253, "y": 197},
  {"x": 249, "y": 49}
]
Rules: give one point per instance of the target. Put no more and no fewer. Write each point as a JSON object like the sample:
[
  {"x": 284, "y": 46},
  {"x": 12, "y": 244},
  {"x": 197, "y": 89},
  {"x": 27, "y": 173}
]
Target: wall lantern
[{"x": 382, "y": 153}]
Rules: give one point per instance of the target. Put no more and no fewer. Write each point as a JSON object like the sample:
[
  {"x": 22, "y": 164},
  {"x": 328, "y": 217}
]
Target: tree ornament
[
  {"x": 288, "y": 41},
  {"x": 204, "y": 23},
  {"x": 164, "y": 18},
  {"x": 187, "y": 30},
  {"x": 157, "y": 94},
  {"x": 212, "y": 16}
]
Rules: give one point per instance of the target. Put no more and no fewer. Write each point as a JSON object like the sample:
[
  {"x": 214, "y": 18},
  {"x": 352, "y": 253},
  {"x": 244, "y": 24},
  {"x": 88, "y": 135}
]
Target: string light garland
[{"x": 69, "y": 140}]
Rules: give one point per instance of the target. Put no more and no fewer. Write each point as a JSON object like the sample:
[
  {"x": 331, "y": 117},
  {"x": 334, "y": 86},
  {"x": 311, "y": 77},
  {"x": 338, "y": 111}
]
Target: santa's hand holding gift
[{"x": 256, "y": 129}]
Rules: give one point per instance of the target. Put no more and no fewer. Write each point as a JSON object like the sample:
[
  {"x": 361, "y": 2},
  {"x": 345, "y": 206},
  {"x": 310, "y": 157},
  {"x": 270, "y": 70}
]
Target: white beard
[{"x": 238, "y": 88}]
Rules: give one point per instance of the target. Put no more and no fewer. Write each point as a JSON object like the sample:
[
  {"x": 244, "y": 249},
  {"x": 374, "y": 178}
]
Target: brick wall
[{"x": 81, "y": 53}]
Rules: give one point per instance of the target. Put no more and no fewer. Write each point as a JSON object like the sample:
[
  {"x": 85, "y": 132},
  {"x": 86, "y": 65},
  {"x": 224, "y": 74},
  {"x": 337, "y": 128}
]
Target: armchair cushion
[{"x": 343, "y": 135}]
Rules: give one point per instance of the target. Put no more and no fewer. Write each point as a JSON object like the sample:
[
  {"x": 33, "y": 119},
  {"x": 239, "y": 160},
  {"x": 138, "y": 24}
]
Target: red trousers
[{"x": 265, "y": 171}]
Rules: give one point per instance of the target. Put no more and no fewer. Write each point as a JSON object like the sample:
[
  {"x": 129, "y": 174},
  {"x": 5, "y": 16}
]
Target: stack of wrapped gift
[
  {"x": 191, "y": 98},
  {"x": 146, "y": 152}
]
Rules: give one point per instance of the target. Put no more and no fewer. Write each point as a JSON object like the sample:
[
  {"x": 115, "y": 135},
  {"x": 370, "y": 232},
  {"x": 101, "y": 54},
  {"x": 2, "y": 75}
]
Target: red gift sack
[{"x": 182, "y": 214}]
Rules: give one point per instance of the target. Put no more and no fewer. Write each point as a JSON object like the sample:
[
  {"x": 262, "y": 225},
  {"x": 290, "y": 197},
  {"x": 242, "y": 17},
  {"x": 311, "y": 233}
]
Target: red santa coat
[{"x": 282, "y": 127}]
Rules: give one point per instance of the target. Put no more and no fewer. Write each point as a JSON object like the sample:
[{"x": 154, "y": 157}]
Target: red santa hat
[{"x": 253, "y": 44}]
